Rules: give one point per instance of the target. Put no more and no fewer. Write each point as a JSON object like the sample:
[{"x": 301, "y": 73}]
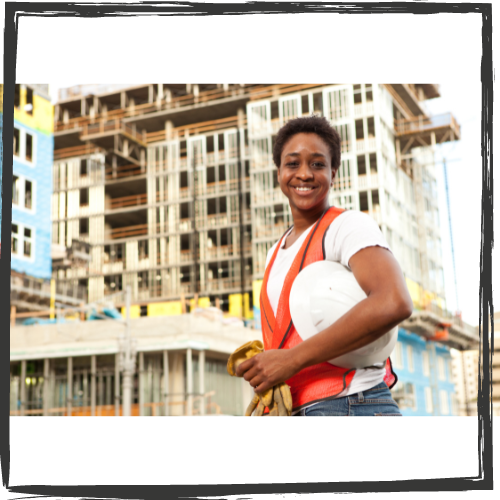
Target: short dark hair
[{"x": 318, "y": 125}]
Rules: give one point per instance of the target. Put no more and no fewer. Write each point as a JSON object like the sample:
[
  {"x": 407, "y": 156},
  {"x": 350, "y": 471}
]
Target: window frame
[
  {"x": 426, "y": 364},
  {"x": 409, "y": 354},
  {"x": 441, "y": 368},
  {"x": 429, "y": 403},
  {"x": 23, "y": 131},
  {"x": 21, "y": 240},
  {"x": 397, "y": 356},
  {"x": 443, "y": 398},
  {"x": 21, "y": 203}
]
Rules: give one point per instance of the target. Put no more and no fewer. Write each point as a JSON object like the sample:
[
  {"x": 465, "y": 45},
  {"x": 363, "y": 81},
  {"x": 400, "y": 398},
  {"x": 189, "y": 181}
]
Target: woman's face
[{"x": 305, "y": 173}]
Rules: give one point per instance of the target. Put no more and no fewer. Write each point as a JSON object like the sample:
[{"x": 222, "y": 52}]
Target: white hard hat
[{"x": 323, "y": 292}]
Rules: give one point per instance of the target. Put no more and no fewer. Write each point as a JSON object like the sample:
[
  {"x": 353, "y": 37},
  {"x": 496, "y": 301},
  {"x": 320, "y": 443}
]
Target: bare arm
[{"x": 387, "y": 304}]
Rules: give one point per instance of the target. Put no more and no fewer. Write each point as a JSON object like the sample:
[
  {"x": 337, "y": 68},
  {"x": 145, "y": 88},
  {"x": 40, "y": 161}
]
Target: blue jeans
[{"x": 376, "y": 401}]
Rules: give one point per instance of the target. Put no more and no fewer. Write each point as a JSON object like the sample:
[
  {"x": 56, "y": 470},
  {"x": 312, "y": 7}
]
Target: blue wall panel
[
  {"x": 40, "y": 218},
  {"x": 417, "y": 376}
]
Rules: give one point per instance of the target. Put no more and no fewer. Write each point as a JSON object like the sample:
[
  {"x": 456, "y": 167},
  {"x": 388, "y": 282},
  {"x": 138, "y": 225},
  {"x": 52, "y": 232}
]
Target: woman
[{"x": 307, "y": 155}]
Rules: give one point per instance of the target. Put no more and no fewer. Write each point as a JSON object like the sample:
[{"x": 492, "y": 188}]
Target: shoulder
[
  {"x": 349, "y": 232},
  {"x": 352, "y": 222}
]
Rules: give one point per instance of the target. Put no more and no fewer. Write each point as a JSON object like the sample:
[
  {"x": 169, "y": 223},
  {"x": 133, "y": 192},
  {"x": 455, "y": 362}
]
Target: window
[
  {"x": 15, "y": 190},
  {"x": 84, "y": 227},
  {"x": 23, "y": 192},
  {"x": 15, "y": 239},
  {"x": 84, "y": 197},
  {"x": 24, "y": 145},
  {"x": 454, "y": 404},
  {"x": 425, "y": 364},
  {"x": 83, "y": 168},
  {"x": 27, "y": 242},
  {"x": 410, "y": 396},
  {"x": 22, "y": 241},
  {"x": 409, "y": 353},
  {"x": 17, "y": 142},
  {"x": 28, "y": 107},
  {"x": 28, "y": 194},
  {"x": 429, "y": 407},
  {"x": 441, "y": 369},
  {"x": 29, "y": 147},
  {"x": 443, "y": 397},
  {"x": 397, "y": 355}
]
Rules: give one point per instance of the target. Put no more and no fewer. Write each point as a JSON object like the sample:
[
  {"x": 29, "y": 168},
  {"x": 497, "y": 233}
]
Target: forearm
[{"x": 363, "y": 324}]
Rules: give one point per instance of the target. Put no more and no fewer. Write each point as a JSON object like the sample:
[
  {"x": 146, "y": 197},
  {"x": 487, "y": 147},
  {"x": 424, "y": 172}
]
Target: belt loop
[{"x": 360, "y": 397}]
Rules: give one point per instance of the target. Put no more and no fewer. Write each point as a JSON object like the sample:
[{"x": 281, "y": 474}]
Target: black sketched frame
[{"x": 484, "y": 479}]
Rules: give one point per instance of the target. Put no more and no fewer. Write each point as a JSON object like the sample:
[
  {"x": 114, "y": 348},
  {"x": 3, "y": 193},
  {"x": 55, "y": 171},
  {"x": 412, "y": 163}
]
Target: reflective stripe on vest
[{"x": 324, "y": 380}]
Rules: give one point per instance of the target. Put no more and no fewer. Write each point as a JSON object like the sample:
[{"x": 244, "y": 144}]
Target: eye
[
  {"x": 292, "y": 164},
  {"x": 318, "y": 164}
]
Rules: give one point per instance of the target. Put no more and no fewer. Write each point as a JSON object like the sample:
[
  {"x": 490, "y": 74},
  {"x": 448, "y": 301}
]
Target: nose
[{"x": 304, "y": 171}]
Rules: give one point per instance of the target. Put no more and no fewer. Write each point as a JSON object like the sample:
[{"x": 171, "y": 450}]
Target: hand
[{"x": 268, "y": 369}]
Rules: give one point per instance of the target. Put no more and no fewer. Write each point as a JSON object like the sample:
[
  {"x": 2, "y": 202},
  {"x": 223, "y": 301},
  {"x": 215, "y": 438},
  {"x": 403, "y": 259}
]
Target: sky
[{"x": 463, "y": 159}]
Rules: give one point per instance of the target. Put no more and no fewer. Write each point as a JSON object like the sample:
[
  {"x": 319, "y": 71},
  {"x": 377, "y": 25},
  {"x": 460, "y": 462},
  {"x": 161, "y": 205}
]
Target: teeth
[{"x": 303, "y": 188}]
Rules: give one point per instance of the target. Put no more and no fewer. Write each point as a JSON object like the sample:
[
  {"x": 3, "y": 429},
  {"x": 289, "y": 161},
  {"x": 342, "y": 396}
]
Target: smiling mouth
[{"x": 303, "y": 189}]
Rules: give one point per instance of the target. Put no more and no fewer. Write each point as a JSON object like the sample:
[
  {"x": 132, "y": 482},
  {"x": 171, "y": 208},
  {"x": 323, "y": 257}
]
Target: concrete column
[
  {"x": 69, "y": 385},
  {"x": 141, "y": 384},
  {"x": 46, "y": 386},
  {"x": 93, "y": 369},
  {"x": 189, "y": 381},
  {"x": 201, "y": 374},
  {"x": 117, "y": 385},
  {"x": 166, "y": 383},
  {"x": 22, "y": 388},
  {"x": 168, "y": 129}
]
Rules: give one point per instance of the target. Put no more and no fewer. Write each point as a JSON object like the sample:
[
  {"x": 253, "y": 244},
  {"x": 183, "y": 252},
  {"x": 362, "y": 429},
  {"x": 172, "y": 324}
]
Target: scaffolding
[{"x": 174, "y": 187}]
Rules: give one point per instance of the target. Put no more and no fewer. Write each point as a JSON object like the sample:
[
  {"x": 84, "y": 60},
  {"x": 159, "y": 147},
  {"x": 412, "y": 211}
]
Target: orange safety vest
[{"x": 324, "y": 380}]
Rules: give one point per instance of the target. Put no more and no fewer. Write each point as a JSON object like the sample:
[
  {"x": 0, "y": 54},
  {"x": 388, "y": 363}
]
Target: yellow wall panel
[
  {"x": 256, "y": 285},
  {"x": 165, "y": 308},
  {"x": 203, "y": 302},
  {"x": 42, "y": 118},
  {"x": 235, "y": 308},
  {"x": 135, "y": 312}
]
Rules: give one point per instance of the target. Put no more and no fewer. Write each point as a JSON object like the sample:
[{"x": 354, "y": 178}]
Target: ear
[
  {"x": 334, "y": 173},
  {"x": 279, "y": 174}
]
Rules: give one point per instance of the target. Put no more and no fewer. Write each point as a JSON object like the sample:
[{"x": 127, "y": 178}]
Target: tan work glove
[{"x": 278, "y": 398}]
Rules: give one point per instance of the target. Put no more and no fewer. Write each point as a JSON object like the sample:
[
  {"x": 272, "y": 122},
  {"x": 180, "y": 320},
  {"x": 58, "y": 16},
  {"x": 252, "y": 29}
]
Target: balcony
[
  {"x": 76, "y": 151},
  {"x": 367, "y": 109},
  {"x": 365, "y": 145},
  {"x": 105, "y": 128},
  {"x": 366, "y": 181},
  {"x": 222, "y": 252},
  {"x": 127, "y": 201},
  {"x": 123, "y": 171},
  {"x": 221, "y": 285},
  {"x": 420, "y": 131}
]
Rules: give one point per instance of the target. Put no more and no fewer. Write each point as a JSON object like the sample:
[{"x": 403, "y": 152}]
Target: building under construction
[{"x": 171, "y": 190}]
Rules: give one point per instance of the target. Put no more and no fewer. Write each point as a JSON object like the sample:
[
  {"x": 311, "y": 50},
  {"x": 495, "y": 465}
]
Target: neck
[{"x": 302, "y": 219}]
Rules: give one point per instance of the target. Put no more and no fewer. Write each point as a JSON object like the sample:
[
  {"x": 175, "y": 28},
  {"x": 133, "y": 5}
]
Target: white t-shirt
[{"x": 348, "y": 233}]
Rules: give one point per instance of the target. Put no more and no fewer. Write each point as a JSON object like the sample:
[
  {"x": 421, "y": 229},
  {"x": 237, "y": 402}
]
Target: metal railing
[{"x": 423, "y": 123}]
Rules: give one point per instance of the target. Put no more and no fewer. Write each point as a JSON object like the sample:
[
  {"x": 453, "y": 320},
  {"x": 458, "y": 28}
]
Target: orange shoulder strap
[{"x": 275, "y": 332}]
